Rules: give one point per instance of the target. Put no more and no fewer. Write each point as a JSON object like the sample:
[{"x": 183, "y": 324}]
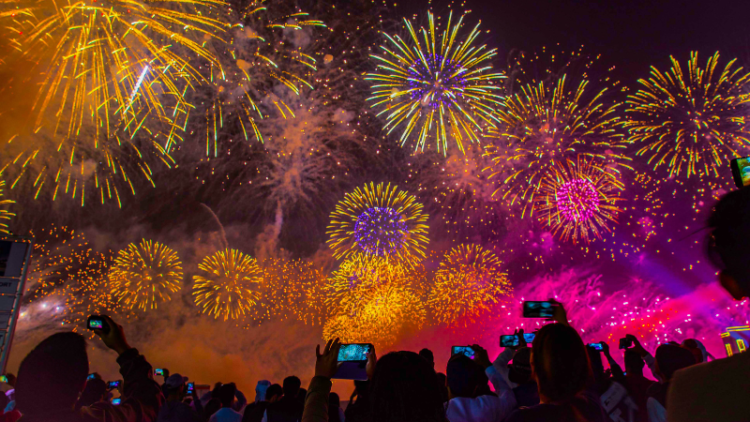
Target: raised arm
[
  {"x": 617, "y": 373},
  {"x": 326, "y": 365}
]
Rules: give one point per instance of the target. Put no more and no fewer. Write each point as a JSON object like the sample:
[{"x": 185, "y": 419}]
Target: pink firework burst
[{"x": 577, "y": 200}]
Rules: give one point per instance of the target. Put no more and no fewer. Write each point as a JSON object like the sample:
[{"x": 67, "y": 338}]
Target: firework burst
[
  {"x": 108, "y": 82},
  {"x": 553, "y": 117},
  {"x": 694, "y": 122},
  {"x": 437, "y": 84},
  {"x": 258, "y": 57},
  {"x": 230, "y": 288},
  {"x": 145, "y": 274},
  {"x": 5, "y": 215},
  {"x": 378, "y": 220},
  {"x": 579, "y": 199},
  {"x": 469, "y": 281}
]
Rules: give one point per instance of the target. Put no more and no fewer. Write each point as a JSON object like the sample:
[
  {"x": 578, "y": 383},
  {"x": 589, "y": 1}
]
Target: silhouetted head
[
  {"x": 52, "y": 375},
  {"x": 729, "y": 242},
  {"x": 226, "y": 394},
  {"x": 464, "y": 377},
  {"x": 633, "y": 362},
  {"x": 559, "y": 363},
  {"x": 404, "y": 388},
  {"x": 428, "y": 356},
  {"x": 274, "y": 392},
  {"x": 291, "y": 386},
  {"x": 670, "y": 359}
]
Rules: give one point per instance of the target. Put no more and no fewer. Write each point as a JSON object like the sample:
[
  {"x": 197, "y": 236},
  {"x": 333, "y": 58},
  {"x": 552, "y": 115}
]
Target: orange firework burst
[
  {"x": 579, "y": 199},
  {"x": 692, "y": 122},
  {"x": 230, "y": 287},
  {"x": 145, "y": 275},
  {"x": 469, "y": 281}
]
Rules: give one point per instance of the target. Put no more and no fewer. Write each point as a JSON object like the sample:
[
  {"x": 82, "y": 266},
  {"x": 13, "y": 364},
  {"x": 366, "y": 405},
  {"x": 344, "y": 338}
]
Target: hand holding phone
[
  {"x": 97, "y": 322},
  {"x": 353, "y": 361},
  {"x": 626, "y": 343},
  {"x": 116, "y": 401},
  {"x": 326, "y": 363},
  {"x": 114, "y": 384},
  {"x": 190, "y": 388},
  {"x": 159, "y": 372}
]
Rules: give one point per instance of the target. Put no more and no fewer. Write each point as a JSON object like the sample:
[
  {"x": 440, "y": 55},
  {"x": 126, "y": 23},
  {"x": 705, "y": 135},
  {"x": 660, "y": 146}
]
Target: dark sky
[{"x": 630, "y": 34}]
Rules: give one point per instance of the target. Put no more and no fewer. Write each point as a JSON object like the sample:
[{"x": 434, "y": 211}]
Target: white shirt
[
  {"x": 484, "y": 408},
  {"x": 226, "y": 414}
]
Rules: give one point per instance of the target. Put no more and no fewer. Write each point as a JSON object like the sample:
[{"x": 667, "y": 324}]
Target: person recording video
[{"x": 53, "y": 374}]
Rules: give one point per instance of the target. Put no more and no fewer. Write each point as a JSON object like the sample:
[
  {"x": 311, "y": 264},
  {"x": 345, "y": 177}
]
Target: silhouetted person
[
  {"x": 402, "y": 387},
  {"x": 54, "y": 373},
  {"x": 226, "y": 395},
  {"x": 288, "y": 408},
  {"x": 358, "y": 409},
  {"x": 561, "y": 368},
  {"x": 254, "y": 411},
  {"x": 718, "y": 390},
  {"x": 335, "y": 414},
  {"x": 95, "y": 391},
  {"x": 427, "y": 355},
  {"x": 175, "y": 409},
  {"x": 470, "y": 399}
]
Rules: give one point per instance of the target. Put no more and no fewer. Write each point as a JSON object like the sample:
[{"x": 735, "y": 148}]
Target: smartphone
[
  {"x": 353, "y": 361},
  {"x": 354, "y": 352},
  {"x": 4, "y": 379},
  {"x": 741, "y": 171},
  {"x": 190, "y": 387},
  {"x": 114, "y": 384},
  {"x": 91, "y": 376},
  {"x": 96, "y": 322},
  {"x": 116, "y": 401},
  {"x": 464, "y": 350},
  {"x": 596, "y": 346},
  {"x": 159, "y": 371},
  {"x": 626, "y": 343},
  {"x": 511, "y": 340},
  {"x": 538, "y": 309}
]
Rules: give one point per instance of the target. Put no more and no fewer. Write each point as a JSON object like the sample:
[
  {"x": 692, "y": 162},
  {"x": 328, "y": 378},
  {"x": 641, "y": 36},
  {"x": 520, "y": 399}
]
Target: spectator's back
[
  {"x": 289, "y": 408},
  {"x": 719, "y": 390}
]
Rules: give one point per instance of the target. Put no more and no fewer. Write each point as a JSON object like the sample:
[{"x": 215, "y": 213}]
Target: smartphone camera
[
  {"x": 190, "y": 387},
  {"x": 538, "y": 309},
  {"x": 4, "y": 379},
  {"x": 97, "y": 322},
  {"x": 741, "y": 171},
  {"x": 116, "y": 401},
  {"x": 596, "y": 346},
  {"x": 463, "y": 350},
  {"x": 626, "y": 343},
  {"x": 511, "y": 340},
  {"x": 354, "y": 352},
  {"x": 91, "y": 376},
  {"x": 114, "y": 384},
  {"x": 159, "y": 372}
]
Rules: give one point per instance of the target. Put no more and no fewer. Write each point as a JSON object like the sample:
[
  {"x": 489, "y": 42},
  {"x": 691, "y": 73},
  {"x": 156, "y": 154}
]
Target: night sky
[{"x": 631, "y": 35}]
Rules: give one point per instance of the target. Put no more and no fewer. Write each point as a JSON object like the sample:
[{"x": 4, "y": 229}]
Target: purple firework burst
[
  {"x": 577, "y": 200},
  {"x": 380, "y": 231}
]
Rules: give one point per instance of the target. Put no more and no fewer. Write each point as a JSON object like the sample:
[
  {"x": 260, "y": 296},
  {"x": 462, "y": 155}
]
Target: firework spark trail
[
  {"x": 440, "y": 86},
  {"x": 579, "y": 199},
  {"x": 88, "y": 57},
  {"x": 557, "y": 116},
  {"x": 5, "y": 215},
  {"x": 229, "y": 286},
  {"x": 378, "y": 220},
  {"x": 218, "y": 223},
  {"x": 692, "y": 122},
  {"x": 249, "y": 68}
]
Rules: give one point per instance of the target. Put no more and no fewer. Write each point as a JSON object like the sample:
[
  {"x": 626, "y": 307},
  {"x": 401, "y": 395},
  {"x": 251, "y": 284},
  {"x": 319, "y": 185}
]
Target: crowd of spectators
[{"x": 555, "y": 378}]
